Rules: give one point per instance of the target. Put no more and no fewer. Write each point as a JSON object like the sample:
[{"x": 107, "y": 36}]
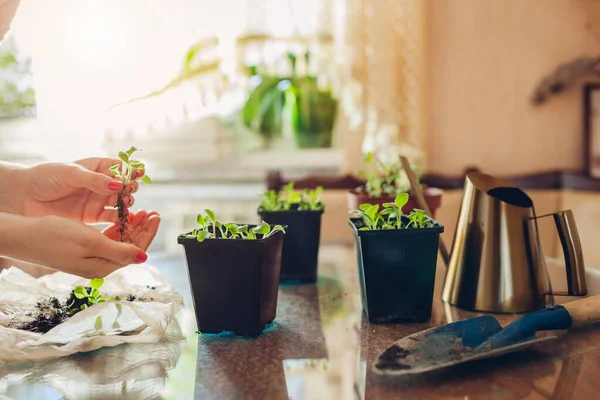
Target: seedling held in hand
[
  {"x": 290, "y": 199},
  {"x": 211, "y": 228},
  {"x": 391, "y": 217},
  {"x": 124, "y": 172}
]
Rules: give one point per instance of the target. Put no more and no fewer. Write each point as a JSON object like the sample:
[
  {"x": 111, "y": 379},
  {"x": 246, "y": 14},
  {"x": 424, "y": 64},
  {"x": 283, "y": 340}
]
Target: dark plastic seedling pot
[
  {"x": 300, "y": 243},
  {"x": 397, "y": 271},
  {"x": 234, "y": 282}
]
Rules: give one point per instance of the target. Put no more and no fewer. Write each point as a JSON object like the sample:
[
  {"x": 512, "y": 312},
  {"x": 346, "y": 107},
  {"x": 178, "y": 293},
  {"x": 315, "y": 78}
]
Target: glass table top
[{"x": 320, "y": 346}]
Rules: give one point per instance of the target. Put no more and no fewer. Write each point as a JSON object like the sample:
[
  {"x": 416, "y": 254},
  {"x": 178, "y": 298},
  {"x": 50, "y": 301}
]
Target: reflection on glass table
[{"x": 130, "y": 371}]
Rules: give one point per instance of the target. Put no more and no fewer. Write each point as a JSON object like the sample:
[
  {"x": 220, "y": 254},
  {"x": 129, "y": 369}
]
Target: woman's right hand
[{"x": 69, "y": 246}]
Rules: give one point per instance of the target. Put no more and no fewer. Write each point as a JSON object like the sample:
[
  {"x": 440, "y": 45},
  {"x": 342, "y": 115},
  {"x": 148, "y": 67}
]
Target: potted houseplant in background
[
  {"x": 234, "y": 274},
  {"x": 397, "y": 257},
  {"x": 386, "y": 181},
  {"x": 301, "y": 212},
  {"x": 298, "y": 102}
]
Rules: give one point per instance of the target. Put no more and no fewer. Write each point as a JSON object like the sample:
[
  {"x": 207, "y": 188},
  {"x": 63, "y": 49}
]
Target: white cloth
[
  {"x": 102, "y": 325},
  {"x": 8, "y": 9}
]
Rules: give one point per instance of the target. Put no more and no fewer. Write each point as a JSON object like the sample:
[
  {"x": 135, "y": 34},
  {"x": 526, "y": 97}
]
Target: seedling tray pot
[
  {"x": 234, "y": 282},
  {"x": 300, "y": 243},
  {"x": 397, "y": 271}
]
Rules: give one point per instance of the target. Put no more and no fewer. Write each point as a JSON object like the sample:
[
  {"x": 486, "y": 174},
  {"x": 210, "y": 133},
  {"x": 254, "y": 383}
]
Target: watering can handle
[{"x": 571, "y": 245}]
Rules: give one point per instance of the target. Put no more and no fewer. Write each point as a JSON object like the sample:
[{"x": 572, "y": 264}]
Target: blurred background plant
[
  {"x": 385, "y": 179},
  {"x": 17, "y": 96},
  {"x": 276, "y": 89},
  {"x": 297, "y": 102}
]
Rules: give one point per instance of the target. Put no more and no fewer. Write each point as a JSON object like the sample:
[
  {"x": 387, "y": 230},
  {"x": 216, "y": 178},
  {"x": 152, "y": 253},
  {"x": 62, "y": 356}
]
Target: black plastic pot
[
  {"x": 234, "y": 282},
  {"x": 397, "y": 271},
  {"x": 300, "y": 243}
]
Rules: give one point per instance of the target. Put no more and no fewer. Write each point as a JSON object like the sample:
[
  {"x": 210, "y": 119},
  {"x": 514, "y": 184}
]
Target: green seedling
[
  {"x": 384, "y": 179},
  {"x": 290, "y": 199},
  {"x": 82, "y": 297},
  {"x": 124, "y": 172},
  {"x": 211, "y": 228},
  {"x": 391, "y": 216},
  {"x": 418, "y": 219}
]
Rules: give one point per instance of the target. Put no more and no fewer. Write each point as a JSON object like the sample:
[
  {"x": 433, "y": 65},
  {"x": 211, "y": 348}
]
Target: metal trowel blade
[{"x": 445, "y": 346}]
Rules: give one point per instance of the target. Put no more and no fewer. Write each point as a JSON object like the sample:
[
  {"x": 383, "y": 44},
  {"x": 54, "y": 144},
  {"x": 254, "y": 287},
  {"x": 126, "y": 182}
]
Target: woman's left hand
[
  {"x": 84, "y": 191},
  {"x": 144, "y": 226}
]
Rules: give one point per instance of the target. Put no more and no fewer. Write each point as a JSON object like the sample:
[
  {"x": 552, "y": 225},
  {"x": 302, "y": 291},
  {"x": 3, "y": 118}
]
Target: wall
[{"x": 485, "y": 59}]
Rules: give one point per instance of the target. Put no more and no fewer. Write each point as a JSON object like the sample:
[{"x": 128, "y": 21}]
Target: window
[{"x": 90, "y": 55}]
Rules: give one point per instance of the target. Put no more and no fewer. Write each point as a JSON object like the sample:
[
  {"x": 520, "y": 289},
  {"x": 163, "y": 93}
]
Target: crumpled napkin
[{"x": 103, "y": 325}]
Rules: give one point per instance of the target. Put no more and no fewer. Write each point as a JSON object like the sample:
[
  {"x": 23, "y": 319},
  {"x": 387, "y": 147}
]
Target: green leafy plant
[
  {"x": 211, "y": 228},
  {"x": 124, "y": 172},
  {"x": 17, "y": 94},
  {"x": 418, "y": 219},
  {"x": 384, "y": 179},
  {"x": 83, "y": 297},
  {"x": 391, "y": 216},
  {"x": 297, "y": 101},
  {"x": 290, "y": 199}
]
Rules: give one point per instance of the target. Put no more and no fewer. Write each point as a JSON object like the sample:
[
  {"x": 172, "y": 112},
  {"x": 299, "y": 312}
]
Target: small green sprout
[
  {"x": 290, "y": 199},
  {"x": 391, "y": 216},
  {"x": 125, "y": 170},
  {"x": 82, "y": 298},
  {"x": 211, "y": 228}
]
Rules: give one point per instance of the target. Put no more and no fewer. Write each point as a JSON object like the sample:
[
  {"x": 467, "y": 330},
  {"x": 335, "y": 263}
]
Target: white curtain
[{"x": 384, "y": 67}]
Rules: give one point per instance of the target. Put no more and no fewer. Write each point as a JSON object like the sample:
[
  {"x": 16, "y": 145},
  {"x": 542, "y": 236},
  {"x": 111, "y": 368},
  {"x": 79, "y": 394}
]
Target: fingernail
[
  {"x": 140, "y": 257},
  {"x": 114, "y": 185}
]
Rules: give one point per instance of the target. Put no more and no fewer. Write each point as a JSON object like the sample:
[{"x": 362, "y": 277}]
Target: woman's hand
[
  {"x": 69, "y": 246},
  {"x": 81, "y": 191},
  {"x": 144, "y": 225}
]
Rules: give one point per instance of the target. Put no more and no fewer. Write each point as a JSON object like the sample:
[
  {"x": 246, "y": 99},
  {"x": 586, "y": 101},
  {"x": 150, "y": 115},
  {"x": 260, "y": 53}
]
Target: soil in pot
[
  {"x": 234, "y": 282},
  {"x": 300, "y": 244},
  {"x": 433, "y": 198},
  {"x": 397, "y": 271}
]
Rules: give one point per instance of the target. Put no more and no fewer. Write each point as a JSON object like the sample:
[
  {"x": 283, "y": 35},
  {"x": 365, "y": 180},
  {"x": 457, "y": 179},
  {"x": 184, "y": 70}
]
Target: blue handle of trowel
[{"x": 578, "y": 312}]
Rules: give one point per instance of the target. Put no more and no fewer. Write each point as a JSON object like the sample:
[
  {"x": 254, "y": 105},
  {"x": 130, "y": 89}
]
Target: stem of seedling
[{"x": 125, "y": 227}]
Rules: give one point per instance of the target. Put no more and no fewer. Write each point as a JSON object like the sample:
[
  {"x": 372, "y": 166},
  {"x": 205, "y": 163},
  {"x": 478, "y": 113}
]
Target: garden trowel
[{"x": 481, "y": 337}]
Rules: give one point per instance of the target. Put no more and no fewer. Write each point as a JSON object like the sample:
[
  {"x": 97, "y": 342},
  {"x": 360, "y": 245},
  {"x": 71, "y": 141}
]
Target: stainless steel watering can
[{"x": 497, "y": 263}]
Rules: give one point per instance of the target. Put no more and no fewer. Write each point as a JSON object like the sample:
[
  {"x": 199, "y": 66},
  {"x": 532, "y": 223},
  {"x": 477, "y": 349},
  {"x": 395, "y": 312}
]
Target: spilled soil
[
  {"x": 50, "y": 312},
  {"x": 390, "y": 359}
]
